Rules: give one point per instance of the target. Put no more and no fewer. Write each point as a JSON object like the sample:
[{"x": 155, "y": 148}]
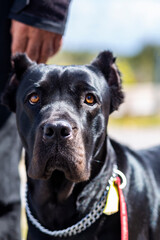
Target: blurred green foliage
[
  {"x": 128, "y": 75},
  {"x": 130, "y": 121},
  {"x": 143, "y": 64},
  {"x": 136, "y": 69},
  {"x": 72, "y": 58}
]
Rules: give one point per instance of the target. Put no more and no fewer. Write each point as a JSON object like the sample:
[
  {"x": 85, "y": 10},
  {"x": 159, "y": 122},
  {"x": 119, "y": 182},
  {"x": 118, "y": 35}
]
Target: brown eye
[
  {"x": 34, "y": 98},
  {"x": 90, "y": 99}
]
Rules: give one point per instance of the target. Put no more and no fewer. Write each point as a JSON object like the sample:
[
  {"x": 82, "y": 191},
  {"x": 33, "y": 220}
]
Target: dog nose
[{"x": 59, "y": 129}]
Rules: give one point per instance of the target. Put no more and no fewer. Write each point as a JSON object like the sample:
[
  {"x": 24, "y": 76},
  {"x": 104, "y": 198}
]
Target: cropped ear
[
  {"x": 105, "y": 62},
  {"x": 20, "y": 63}
]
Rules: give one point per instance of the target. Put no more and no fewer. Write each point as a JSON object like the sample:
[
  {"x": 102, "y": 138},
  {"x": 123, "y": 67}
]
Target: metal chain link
[{"x": 80, "y": 226}]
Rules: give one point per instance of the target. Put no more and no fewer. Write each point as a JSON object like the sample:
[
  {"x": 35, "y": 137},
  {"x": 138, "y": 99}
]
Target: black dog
[{"x": 62, "y": 114}]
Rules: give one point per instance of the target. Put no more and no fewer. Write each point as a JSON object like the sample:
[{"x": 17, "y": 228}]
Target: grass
[{"x": 129, "y": 121}]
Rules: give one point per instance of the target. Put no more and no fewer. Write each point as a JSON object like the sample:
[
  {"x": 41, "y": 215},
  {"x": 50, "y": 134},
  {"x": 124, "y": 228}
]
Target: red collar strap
[{"x": 123, "y": 211}]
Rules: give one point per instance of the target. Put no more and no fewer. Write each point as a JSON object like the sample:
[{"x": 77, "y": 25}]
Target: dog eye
[
  {"x": 34, "y": 98},
  {"x": 90, "y": 99}
]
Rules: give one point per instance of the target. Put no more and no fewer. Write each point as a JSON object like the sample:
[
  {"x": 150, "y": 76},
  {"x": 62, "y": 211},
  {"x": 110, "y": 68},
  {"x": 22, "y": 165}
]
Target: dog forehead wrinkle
[
  {"x": 35, "y": 73},
  {"x": 28, "y": 84},
  {"x": 39, "y": 76},
  {"x": 70, "y": 79},
  {"x": 82, "y": 80},
  {"x": 76, "y": 74},
  {"x": 32, "y": 87},
  {"x": 51, "y": 75},
  {"x": 30, "y": 81}
]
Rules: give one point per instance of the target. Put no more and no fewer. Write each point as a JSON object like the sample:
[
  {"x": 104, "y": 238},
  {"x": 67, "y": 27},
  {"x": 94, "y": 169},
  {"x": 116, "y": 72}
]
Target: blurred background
[{"x": 131, "y": 30}]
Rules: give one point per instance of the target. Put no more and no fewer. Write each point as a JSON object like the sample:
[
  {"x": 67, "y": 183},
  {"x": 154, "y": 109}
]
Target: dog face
[{"x": 62, "y": 113}]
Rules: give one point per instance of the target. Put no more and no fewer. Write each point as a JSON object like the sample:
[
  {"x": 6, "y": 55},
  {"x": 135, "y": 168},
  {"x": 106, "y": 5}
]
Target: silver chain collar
[{"x": 80, "y": 226}]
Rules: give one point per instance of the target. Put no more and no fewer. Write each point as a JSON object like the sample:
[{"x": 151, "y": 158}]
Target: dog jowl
[{"x": 62, "y": 115}]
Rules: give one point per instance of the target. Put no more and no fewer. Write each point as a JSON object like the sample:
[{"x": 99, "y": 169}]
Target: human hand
[{"x": 37, "y": 43}]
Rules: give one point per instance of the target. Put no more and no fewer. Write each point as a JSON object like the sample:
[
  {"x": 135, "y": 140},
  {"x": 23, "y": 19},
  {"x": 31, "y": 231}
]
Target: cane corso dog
[{"x": 62, "y": 115}]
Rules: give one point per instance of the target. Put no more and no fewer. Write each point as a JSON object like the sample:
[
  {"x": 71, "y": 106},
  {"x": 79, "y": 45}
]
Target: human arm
[{"x": 38, "y": 27}]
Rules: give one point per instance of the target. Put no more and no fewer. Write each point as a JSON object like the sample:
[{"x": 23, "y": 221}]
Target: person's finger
[
  {"x": 46, "y": 51},
  {"x": 33, "y": 49},
  {"x": 57, "y": 43},
  {"x": 18, "y": 46}
]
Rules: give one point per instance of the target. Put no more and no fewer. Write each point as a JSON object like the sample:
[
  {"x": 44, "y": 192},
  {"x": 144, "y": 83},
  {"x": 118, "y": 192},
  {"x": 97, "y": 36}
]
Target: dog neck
[{"x": 45, "y": 197}]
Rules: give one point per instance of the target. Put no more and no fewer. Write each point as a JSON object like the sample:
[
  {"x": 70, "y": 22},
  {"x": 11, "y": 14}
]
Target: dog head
[{"x": 62, "y": 113}]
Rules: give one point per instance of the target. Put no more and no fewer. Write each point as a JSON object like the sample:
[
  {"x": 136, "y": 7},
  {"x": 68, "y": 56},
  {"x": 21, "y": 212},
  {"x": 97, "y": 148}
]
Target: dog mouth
[
  {"x": 71, "y": 170},
  {"x": 62, "y": 186},
  {"x": 68, "y": 161},
  {"x": 51, "y": 168}
]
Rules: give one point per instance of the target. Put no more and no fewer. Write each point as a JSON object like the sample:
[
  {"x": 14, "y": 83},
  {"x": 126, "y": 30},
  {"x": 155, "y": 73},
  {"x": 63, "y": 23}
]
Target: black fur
[
  {"x": 69, "y": 157},
  {"x": 20, "y": 63}
]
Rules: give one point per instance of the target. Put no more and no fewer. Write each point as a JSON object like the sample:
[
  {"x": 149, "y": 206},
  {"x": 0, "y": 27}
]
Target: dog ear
[
  {"x": 105, "y": 62},
  {"x": 20, "y": 63}
]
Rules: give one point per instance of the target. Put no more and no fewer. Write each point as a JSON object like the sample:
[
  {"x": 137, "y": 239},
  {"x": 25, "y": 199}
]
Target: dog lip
[
  {"x": 48, "y": 175},
  {"x": 51, "y": 166},
  {"x": 68, "y": 173}
]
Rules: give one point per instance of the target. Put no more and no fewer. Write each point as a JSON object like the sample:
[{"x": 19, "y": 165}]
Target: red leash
[{"x": 123, "y": 211}]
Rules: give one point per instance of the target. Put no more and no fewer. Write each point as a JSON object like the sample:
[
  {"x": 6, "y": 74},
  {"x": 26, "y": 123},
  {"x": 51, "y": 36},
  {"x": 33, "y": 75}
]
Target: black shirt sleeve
[{"x": 50, "y": 15}]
